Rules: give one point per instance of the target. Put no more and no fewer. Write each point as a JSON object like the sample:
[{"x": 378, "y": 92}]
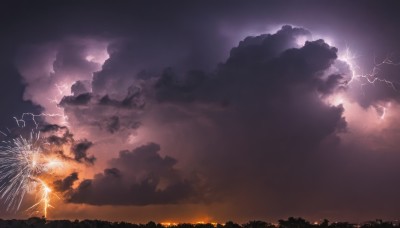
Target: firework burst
[{"x": 22, "y": 161}]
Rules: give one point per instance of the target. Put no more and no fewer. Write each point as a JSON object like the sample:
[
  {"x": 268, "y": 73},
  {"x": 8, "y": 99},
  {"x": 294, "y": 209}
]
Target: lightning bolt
[
  {"x": 63, "y": 88},
  {"x": 45, "y": 196},
  {"x": 369, "y": 78},
  {"x": 373, "y": 76},
  {"x": 21, "y": 122}
]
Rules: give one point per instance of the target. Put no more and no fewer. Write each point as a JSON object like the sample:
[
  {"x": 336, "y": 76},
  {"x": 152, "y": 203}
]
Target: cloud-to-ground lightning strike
[{"x": 45, "y": 192}]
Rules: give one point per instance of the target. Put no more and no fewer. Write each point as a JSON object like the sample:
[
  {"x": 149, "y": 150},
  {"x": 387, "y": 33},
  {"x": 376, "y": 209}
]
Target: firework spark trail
[
  {"x": 22, "y": 162},
  {"x": 18, "y": 162}
]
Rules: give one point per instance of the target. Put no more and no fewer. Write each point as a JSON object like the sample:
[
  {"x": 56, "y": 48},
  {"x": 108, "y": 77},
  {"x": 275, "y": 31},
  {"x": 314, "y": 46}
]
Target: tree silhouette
[
  {"x": 324, "y": 223},
  {"x": 185, "y": 225},
  {"x": 294, "y": 223},
  {"x": 341, "y": 225},
  {"x": 257, "y": 224},
  {"x": 291, "y": 222},
  {"x": 231, "y": 224},
  {"x": 378, "y": 224}
]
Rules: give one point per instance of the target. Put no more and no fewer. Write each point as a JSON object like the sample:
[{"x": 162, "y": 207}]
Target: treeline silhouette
[{"x": 289, "y": 223}]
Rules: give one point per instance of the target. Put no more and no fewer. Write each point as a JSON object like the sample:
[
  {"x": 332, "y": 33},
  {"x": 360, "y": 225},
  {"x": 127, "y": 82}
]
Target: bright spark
[
  {"x": 22, "y": 162},
  {"x": 17, "y": 165}
]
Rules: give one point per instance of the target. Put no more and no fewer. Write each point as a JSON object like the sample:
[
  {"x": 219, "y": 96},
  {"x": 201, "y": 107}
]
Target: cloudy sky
[{"x": 210, "y": 111}]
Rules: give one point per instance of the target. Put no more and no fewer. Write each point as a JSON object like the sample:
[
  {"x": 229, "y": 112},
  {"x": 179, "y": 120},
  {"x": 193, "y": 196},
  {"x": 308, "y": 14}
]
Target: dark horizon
[{"x": 290, "y": 222}]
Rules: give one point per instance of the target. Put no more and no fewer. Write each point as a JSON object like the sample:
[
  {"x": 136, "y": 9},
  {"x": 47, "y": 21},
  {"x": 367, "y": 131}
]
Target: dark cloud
[
  {"x": 276, "y": 122},
  {"x": 375, "y": 90},
  {"x": 79, "y": 150},
  {"x": 81, "y": 99},
  {"x": 113, "y": 124},
  {"x": 255, "y": 50},
  {"x": 270, "y": 85},
  {"x": 268, "y": 61},
  {"x": 276, "y": 118},
  {"x": 137, "y": 177},
  {"x": 331, "y": 84},
  {"x": 265, "y": 105},
  {"x": 80, "y": 87},
  {"x": 133, "y": 99},
  {"x": 66, "y": 183},
  {"x": 71, "y": 59},
  {"x": 170, "y": 88},
  {"x": 52, "y": 128},
  {"x": 105, "y": 112},
  {"x": 59, "y": 136}
]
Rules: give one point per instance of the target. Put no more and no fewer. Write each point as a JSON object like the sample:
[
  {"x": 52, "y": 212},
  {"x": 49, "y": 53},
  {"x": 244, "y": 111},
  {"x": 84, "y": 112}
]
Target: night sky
[{"x": 186, "y": 111}]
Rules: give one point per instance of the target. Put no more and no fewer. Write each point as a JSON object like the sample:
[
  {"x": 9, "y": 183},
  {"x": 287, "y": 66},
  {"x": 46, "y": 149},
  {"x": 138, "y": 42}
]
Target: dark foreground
[{"x": 289, "y": 223}]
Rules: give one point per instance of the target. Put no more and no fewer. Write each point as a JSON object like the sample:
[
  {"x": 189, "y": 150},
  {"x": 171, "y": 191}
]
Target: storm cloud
[
  {"x": 248, "y": 111},
  {"x": 60, "y": 136},
  {"x": 137, "y": 177},
  {"x": 66, "y": 183},
  {"x": 269, "y": 87}
]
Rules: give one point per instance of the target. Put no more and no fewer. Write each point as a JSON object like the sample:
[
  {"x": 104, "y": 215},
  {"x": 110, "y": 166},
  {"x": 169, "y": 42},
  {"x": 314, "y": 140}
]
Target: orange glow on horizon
[{"x": 170, "y": 224}]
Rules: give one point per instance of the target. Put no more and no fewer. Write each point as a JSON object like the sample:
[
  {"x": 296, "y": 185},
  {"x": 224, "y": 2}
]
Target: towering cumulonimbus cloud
[
  {"x": 265, "y": 122},
  {"x": 264, "y": 82}
]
